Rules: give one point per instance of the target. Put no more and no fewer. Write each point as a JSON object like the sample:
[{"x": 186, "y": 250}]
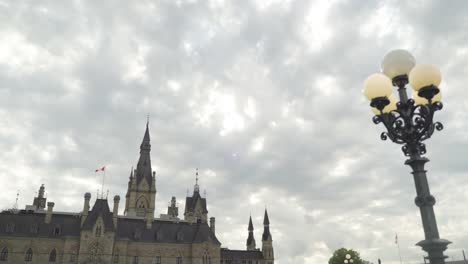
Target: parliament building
[{"x": 97, "y": 234}]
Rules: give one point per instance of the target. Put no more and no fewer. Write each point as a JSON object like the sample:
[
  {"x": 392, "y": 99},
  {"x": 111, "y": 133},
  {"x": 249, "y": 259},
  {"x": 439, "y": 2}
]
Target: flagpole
[
  {"x": 398, "y": 245},
  {"x": 102, "y": 187}
]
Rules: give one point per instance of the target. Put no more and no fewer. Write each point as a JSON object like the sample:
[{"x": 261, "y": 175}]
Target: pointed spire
[
  {"x": 146, "y": 137},
  {"x": 143, "y": 169},
  {"x": 131, "y": 173},
  {"x": 266, "y": 228},
  {"x": 250, "y": 239},
  {"x": 196, "y": 188},
  {"x": 266, "y": 221}
]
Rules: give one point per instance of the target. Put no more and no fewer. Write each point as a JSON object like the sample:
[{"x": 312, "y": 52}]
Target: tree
[{"x": 340, "y": 255}]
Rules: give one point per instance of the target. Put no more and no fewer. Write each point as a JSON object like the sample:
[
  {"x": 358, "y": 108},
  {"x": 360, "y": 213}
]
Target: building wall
[
  {"x": 80, "y": 249},
  {"x": 41, "y": 247}
]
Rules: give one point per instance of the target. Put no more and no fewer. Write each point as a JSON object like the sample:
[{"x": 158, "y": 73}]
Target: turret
[
  {"x": 212, "y": 225},
  {"x": 141, "y": 193},
  {"x": 195, "y": 206},
  {"x": 48, "y": 217},
  {"x": 84, "y": 214},
  {"x": 115, "y": 212},
  {"x": 250, "y": 239},
  {"x": 267, "y": 241},
  {"x": 172, "y": 209},
  {"x": 40, "y": 201}
]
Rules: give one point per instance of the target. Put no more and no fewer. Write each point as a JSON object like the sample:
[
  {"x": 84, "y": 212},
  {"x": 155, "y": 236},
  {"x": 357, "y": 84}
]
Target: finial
[
  {"x": 187, "y": 192},
  {"x": 107, "y": 194},
  {"x": 147, "y": 119},
  {"x": 196, "y": 188},
  {"x": 15, "y": 206},
  {"x": 204, "y": 193}
]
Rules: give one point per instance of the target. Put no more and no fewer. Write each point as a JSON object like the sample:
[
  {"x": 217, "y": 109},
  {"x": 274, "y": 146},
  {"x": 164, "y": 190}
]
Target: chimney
[
  {"x": 212, "y": 224},
  {"x": 84, "y": 214},
  {"x": 149, "y": 220},
  {"x": 48, "y": 218},
  {"x": 115, "y": 212}
]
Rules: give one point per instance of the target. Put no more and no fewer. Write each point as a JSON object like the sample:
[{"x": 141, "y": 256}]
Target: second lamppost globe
[{"x": 397, "y": 62}]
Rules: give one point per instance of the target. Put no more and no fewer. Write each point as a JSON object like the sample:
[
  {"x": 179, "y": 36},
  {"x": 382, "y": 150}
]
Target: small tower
[
  {"x": 141, "y": 192},
  {"x": 40, "y": 201},
  {"x": 267, "y": 241},
  {"x": 251, "y": 240},
  {"x": 173, "y": 210},
  {"x": 195, "y": 206}
]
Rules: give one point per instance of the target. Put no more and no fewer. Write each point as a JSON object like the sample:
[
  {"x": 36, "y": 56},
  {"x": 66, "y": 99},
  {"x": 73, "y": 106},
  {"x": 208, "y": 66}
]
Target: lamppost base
[{"x": 435, "y": 249}]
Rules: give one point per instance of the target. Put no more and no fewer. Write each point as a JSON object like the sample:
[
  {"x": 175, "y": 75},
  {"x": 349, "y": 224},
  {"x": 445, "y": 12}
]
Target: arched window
[
  {"x": 179, "y": 260},
  {"x": 4, "y": 254},
  {"x": 72, "y": 257},
  {"x": 157, "y": 260},
  {"x": 53, "y": 255},
  {"x": 135, "y": 260},
  {"x": 28, "y": 255},
  {"x": 116, "y": 258},
  {"x": 98, "y": 231}
]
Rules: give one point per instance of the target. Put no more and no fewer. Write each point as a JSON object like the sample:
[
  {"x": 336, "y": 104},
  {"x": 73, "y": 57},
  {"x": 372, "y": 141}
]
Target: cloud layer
[{"x": 263, "y": 96}]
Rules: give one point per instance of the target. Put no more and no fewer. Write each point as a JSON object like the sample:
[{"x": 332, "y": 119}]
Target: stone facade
[{"x": 98, "y": 235}]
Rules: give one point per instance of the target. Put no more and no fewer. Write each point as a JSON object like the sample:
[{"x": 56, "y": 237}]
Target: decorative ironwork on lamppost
[
  {"x": 348, "y": 259},
  {"x": 409, "y": 122}
]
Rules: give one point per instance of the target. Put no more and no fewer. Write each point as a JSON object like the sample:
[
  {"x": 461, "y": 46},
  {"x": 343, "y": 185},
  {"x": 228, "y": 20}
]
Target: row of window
[
  {"x": 230, "y": 261},
  {"x": 157, "y": 260},
  {"x": 34, "y": 229},
  {"x": 28, "y": 255}
]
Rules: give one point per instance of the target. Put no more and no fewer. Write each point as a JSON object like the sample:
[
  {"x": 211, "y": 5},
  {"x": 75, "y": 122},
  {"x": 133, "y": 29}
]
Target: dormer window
[
  {"x": 180, "y": 236},
  {"x": 10, "y": 228},
  {"x": 158, "y": 235},
  {"x": 34, "y": 228},
  {"x": 57, "y": 230},
  {"x": 137, "y": 234}
]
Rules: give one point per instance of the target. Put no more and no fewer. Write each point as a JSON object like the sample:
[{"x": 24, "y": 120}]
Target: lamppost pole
[{"x": 409, "y": 122}]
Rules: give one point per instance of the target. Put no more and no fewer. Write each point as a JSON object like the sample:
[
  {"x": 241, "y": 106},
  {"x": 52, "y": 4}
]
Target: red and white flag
[{"x": 100, "y": 169}]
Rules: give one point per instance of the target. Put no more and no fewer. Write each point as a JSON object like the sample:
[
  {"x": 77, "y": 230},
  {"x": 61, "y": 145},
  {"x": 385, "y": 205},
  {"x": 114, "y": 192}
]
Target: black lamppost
[{"x": 409, "y": 122}]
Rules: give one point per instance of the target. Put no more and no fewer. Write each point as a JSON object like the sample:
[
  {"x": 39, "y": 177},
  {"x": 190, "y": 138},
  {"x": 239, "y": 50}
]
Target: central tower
[{"x": 141, "y": 192}]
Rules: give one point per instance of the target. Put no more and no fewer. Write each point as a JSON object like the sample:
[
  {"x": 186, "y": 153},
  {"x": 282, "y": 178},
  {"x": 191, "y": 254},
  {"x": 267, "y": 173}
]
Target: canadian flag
[{"x": 101, "y": 169}]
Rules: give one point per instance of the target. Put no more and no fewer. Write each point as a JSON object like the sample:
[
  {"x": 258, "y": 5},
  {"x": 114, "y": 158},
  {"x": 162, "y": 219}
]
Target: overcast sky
[{"x": 263, "y": 96}]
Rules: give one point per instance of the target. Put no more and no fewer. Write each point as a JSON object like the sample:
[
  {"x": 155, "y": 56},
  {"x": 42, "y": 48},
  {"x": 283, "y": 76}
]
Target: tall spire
[
  {"x": 266, "y": 227},
  {"x": 143, "y": 169},
  {"x": 250, "y": 239},
  {"x": 196, "y": 188},
  {"x": 250, "y": 224},
  {"x": 266, "y": 220}
]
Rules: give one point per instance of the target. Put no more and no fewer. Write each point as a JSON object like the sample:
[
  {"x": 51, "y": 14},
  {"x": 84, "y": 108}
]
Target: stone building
[{"x": 100, "y": 235}]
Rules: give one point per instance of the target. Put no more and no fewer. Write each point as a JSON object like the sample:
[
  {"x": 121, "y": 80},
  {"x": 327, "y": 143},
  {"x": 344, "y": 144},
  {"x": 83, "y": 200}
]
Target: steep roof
[
  {"x": 133, "y": 229},
  {"x": 240, "y": 254},
  {"x": 191, "y": 203},
  {"x": 31, "y": 224},
  {"x": 165, "y": 231},
  {"x": 100, "y": 208}
]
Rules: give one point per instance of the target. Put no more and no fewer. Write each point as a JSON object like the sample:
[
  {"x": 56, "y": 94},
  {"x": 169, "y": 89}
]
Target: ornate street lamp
[
  {"x": 409, "y": 122},
  {"x": 348, "y": 259}
]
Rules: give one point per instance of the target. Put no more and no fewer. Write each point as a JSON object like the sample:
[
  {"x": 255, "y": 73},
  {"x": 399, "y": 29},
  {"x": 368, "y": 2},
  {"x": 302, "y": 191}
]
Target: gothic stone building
[{"x": 100, "y": 235}]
